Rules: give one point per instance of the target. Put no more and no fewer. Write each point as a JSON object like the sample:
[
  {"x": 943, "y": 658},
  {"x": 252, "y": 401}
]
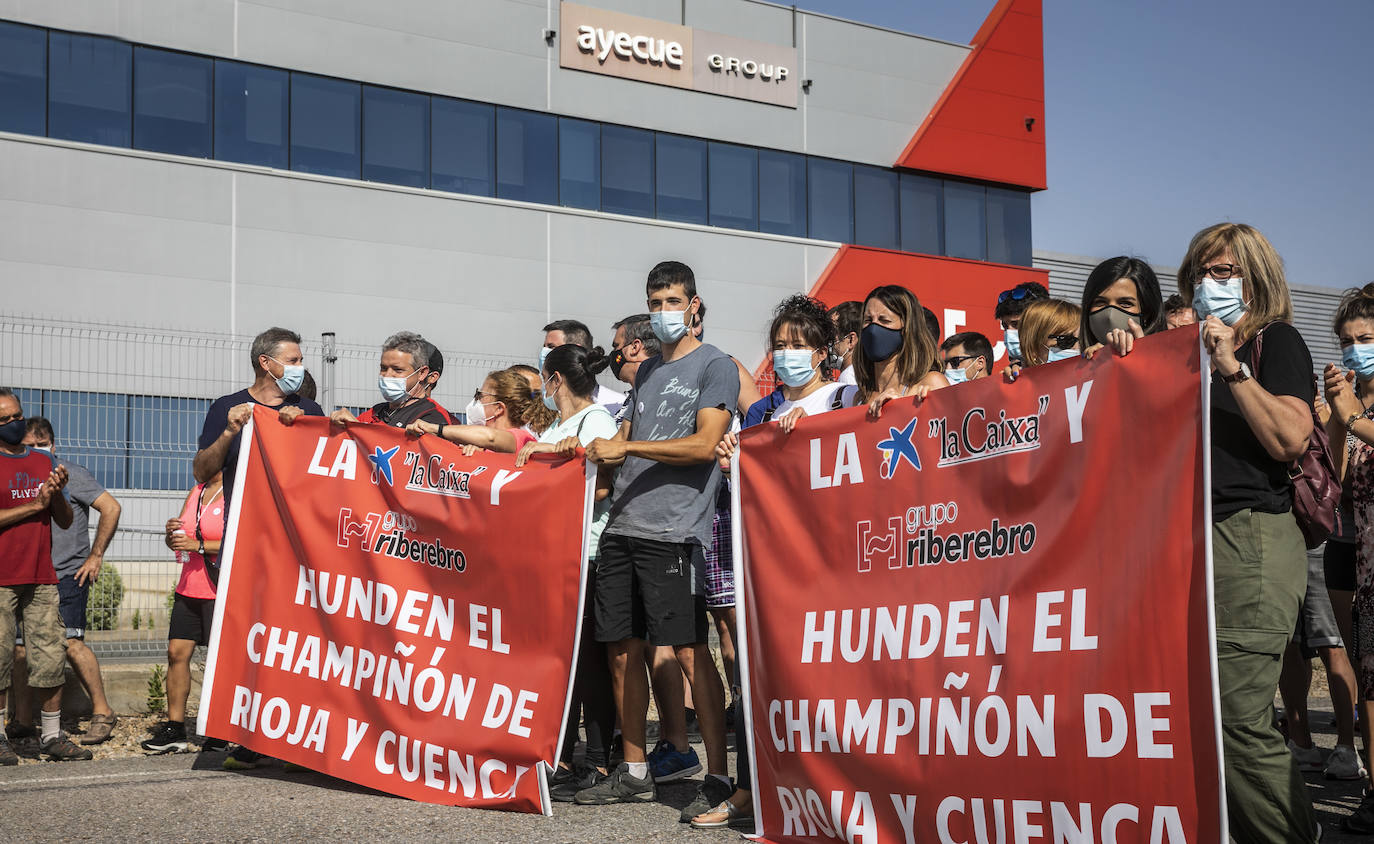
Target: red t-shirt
[{"x": 25, "y": 547}]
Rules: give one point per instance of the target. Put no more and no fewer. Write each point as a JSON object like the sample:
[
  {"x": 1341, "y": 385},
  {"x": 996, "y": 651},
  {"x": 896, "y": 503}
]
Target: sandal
[
  {"x": 723, "y": 815},
  {"x": 100, "y": 729}
]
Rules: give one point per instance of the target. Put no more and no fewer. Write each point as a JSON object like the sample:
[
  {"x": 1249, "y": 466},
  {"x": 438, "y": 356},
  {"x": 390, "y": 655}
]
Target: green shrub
[
  {"x": 157, "y": 689},
  {"x": 102, "y": 606}
]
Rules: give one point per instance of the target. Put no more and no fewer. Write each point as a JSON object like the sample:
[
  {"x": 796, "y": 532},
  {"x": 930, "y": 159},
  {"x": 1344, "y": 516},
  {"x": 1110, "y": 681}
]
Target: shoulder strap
[{"x": 837, "y": 398}]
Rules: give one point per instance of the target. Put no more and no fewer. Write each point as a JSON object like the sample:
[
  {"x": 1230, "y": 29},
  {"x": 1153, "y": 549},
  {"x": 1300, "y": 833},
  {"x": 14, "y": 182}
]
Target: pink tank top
[{"x": 195, "y": 579}]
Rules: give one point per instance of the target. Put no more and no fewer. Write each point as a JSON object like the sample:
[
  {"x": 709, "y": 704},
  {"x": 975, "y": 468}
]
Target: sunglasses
[
  {"x": 958, "y": 360},
  {"x": 1062, "y": 341},
  {"x": 1016, "y": 294}
]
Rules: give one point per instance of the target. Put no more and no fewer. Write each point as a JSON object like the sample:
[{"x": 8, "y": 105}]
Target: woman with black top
[
  {"x": 1261, "y": 420},
  {"x": 1350, "y": 394}
]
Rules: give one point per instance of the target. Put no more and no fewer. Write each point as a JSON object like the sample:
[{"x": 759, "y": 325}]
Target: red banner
[
  {"x": 397, "y": 615},
  {"x": 988, "y": 618}
]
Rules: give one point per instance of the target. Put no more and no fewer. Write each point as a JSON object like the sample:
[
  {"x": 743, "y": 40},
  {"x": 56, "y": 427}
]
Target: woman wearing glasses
[
  {"x": 1261, "y": 419},
  {"x": 1049, "y": 331},
  {"x": 497, "y": 416}
]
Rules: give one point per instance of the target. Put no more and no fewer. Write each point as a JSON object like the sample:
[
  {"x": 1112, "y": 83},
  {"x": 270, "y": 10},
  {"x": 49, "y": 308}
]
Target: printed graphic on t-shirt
[
  {"x": 673, "y": 413},
  {"x": 23, "y": 487}
]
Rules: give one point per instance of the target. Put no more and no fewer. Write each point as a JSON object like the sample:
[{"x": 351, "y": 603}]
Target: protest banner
[
  {"x": 988, "y": 617},
  {"x": 395, "y": 614}
]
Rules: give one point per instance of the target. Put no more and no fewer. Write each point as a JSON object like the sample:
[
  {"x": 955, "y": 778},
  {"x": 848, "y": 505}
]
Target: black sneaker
[
  {"x": 168, "y": 738},
  {"x": 619, "y": 787},
  {"x": 1362, "y": 821},
  {"x": 565, "y": 782},
  {"x": 711, "y": 794},
  {"x": 59, "y": 748},
  {"x": 7, "y": 754},
  {"x": 213, "y": 744},
  {"x": 242, "y": 759},
  {"x": 16, "y": 730}
]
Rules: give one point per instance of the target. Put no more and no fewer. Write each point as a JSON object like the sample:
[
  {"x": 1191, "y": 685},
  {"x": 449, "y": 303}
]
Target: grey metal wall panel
[
  {"x": 755, "y": 21},
  {"x": 201, "y": 26}
]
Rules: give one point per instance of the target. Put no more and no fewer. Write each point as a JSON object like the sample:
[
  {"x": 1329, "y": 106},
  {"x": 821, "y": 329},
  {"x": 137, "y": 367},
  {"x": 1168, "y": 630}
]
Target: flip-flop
[{"x": 731, "y": 812}]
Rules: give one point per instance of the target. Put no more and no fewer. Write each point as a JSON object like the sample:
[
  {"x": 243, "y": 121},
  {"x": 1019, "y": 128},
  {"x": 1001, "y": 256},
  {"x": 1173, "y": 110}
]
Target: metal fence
[{"x": 129, "y": 402}]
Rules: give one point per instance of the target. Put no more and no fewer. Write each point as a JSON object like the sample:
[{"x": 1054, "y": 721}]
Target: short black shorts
[
  {"x": 647, "y": 589},
  {"x": 71, "y": 605},
  {"x": 1339, "y": 562},
  {"x": 192, "y": 619}
]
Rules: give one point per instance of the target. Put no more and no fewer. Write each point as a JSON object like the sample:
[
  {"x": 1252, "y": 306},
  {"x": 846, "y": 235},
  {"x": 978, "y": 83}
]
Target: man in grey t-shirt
[
  {"x": 77, "y": 562},
  {"x": 648, "y": 589}
]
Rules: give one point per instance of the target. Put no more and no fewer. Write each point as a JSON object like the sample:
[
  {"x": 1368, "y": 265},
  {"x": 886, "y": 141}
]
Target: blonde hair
[
  {"x": 512, "y": 388},
  {"x": 1042, "y": 318},
  {"x": 917, "y": 355},
  {"x": 1260, "y": 265}
]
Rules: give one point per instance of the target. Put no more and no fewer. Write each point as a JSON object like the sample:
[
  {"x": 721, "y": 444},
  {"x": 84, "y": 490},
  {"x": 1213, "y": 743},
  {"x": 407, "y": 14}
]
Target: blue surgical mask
[
  {"x": 548, "y": 397},
  {"x": 543, "y": 356},
  {"x": 794, "y": 366},
  {"x": 1221, "y": 299},
  {"x": 668, "y": 326},
  {"x": 956, "y": 375},
  {"x": 1061, "y": 354},
  {"x": 292, "y": 376},
  {"x": 1360, "y": 358},
  {"x": 393, "y": 389},
  {"x": 880, "y": 342},
  {"x": 1012, "y": 337}
]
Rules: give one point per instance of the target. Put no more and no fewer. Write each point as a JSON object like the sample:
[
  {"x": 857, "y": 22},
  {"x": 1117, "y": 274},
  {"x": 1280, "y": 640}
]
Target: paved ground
[{"x": 188, "y": 797}]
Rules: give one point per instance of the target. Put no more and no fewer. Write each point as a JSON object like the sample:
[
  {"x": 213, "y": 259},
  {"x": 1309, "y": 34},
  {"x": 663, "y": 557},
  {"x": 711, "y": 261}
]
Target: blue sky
[{"x": 1165, "y": 117}]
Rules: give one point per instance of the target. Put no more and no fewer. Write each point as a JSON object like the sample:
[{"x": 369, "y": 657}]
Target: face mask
[
  {"x": 617, "y": 363},
  {"x": 393, "y": 389},
  {"x": 1103, "y": 320},
  {"x": 476, "y": 412},
  {"x": 12, "y": 432},
  {"x": 543, "y": 356},
  {"x": 1221, "y": 299},
  {"x": 1360, "y": 358},
  {"x": 1012, "y": 337},
  {"x": 880, "y": 342},
  {"x": 46, "y": 449},
  {"x": 956, "y": 375},
  {"x": 548, "y": 398},
  {"x": 292, "y": 376},
  {"x": 793, "y": 366},
  {"x": 1061, "y": 354},
  {"x": 668, "y": 326}
]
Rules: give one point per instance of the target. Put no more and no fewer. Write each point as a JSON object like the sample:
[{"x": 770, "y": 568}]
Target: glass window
[
  {"x": 923, "y": 214},
  {"x": 172, "y": 102},
  {"x": 627, "y": 171},
  {"x": 90, "y": 83},
  {"x": 325, "y": 126},
  {"x": 463, "y": 147},
  {"x": 92, "y": 429},
  {"x": 1009, "y": 226},
  {"x": 23, "y": 79},
  {"x": 965, "y": 220},
  {"x": 162, "y": 440},
  {"x": 527, "y": 156},
  {"x": 250, "y": 114},
  {"x": 875, "y": 207},
  {"x": 734, "y": 193},
  {"x": 395, "y": 137},
  {"x": 830, "y": 200},
  {"x": 680, "y": 176},
  {"x": 579, "y": 163},
  {"x": 782, "y": 193}
]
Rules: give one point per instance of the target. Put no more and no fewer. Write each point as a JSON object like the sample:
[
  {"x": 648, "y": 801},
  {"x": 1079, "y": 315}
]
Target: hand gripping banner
[
  {"x": 397, "y": 615},
  {"x": 987, "y": 618}
]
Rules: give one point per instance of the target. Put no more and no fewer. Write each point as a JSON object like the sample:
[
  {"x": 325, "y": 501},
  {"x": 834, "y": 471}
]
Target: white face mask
[{"x": 476, "y": 412}]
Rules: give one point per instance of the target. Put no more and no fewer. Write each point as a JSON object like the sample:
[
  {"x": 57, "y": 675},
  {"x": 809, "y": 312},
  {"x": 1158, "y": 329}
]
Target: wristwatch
[
  {"x": 201, "y": 549},
  {"x": 440, "y": 432},
  {"x": 1354, "y": 417},
  {"x": 1242, "y": 374}
]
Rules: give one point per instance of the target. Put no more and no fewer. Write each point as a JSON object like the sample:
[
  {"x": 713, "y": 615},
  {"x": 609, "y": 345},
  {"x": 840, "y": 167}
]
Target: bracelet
[
  {"x": 1354, "y": 417},
  {"x": 440, "y": 431}
]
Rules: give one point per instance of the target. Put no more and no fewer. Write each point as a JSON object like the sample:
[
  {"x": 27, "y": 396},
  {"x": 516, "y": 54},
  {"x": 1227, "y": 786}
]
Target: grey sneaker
[
  {"x": 60, "y": 749},
  {"x": 7, "y": 754},
  {"x": 619, "y": 787},
  {"x": 712, "y": 793},
  {"x": 1344, "y": 763}
]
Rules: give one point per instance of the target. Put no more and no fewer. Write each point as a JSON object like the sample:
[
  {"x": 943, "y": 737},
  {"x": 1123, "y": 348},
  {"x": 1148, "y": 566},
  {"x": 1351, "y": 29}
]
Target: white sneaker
[
  {"x": 1345, "y": 764},
  {"x": 1308, "y": 758}
]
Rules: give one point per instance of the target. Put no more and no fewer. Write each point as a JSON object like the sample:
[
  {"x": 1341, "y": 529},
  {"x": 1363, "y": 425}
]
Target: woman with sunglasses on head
[
  {"x": 497, "y": 417},
  {"x": 1010, "y": 305},
  {"x": 1261, "y": 420},
  {"x": 1049, "y": 331},
  {"x": 1121, "y": 304},
  {"x": 897, "y": 353}
]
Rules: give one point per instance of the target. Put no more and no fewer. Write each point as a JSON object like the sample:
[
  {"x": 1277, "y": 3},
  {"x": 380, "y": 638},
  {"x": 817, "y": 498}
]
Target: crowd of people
[{"x": 660, "y": 574}]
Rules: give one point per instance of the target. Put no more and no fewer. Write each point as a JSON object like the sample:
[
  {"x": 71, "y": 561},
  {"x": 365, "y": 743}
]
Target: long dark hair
[
  {"x": 917, "y": 354},
  {"x": 1106, "y": 274}
]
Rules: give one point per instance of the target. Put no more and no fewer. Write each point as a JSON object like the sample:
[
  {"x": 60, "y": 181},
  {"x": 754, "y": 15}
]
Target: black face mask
[
  {"x": 12, "y": 432},
  {"x": 880, "y": 342},
  {"x": 617, "y": 362}
]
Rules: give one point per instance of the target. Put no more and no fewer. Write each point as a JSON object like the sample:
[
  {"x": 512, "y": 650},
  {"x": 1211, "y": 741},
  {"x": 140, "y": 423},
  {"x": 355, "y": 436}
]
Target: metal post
[{"x": 328, "y": 359}]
